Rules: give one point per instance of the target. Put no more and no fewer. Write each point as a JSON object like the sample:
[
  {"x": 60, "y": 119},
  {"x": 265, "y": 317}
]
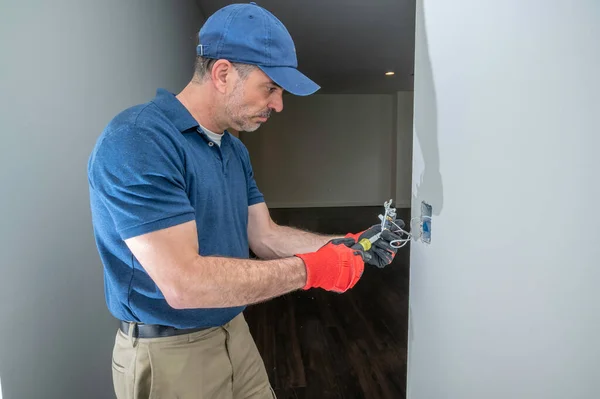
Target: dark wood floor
[{"x": 317, "y": 344}]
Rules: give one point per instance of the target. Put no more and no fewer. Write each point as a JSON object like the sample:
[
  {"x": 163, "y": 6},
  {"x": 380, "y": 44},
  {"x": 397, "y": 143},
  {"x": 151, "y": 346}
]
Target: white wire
[
  {"x": 395, "y": 243},
  {"x": 409, "y": 236}
]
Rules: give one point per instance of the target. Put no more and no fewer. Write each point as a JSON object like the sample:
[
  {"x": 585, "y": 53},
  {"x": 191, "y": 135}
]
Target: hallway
[{"x": 317, "y": 344}]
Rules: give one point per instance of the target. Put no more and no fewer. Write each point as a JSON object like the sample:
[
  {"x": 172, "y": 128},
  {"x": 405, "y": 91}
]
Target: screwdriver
[{"x": 387, "y": 219}]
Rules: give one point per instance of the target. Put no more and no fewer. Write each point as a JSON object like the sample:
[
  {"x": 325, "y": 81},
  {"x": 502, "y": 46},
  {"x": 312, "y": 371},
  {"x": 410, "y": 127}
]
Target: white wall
[
  {"x": 505, "y": 300},
  {"x": 67, "y": 67},
  {"x": 331, "y": 150},
  {"x": 402, "y": 159}
]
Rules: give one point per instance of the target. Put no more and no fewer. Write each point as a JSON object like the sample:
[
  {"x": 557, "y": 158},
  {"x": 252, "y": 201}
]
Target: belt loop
[{"x": 132, "y": 326}]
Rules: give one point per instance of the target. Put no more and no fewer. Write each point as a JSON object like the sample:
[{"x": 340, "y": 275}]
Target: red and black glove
[
  {"x": 382, "y": 251},
  {"x": 333, "y": 267}
]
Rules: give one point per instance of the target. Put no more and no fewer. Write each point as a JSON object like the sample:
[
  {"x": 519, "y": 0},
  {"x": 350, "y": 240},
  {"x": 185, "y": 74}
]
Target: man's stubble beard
[{"x": 237, "y": 112}]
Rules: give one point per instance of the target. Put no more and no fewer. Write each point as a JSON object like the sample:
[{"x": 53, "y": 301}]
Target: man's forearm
[
  {"x": 284, "y": 241},
  {"x": 212, "y": 282}
]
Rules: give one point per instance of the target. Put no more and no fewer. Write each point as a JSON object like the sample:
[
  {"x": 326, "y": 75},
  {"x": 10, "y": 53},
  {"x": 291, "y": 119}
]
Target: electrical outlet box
[{"x": 426, "y": 212}]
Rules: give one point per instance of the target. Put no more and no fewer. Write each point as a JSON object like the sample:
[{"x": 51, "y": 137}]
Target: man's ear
[{"x": 221, "y": 72}]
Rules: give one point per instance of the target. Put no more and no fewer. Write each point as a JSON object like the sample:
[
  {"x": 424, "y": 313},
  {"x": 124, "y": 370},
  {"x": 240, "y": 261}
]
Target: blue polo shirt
[{"x": 152, "y": 168}]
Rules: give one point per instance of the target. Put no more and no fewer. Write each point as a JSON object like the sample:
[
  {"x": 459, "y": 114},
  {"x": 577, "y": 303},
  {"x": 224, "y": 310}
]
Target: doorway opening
[{"x": 326, "y": 164}]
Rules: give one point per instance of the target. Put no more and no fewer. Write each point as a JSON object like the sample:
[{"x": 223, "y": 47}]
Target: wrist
[
  {"x": 301, "y": 275},
  {"x": 309, "y": 275}
]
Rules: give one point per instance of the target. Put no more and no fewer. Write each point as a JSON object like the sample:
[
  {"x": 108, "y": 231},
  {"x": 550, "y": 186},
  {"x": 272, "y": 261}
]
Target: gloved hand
[
  {"x": 333, "y": 267},
  {"x": 382, "y": 252}
]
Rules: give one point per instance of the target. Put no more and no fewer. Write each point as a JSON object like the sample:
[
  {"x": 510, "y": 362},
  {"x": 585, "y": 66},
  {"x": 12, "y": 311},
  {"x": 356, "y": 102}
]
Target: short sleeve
[
  {"x": 255, "y": 196},
  {"x": 138, "y": 175}
]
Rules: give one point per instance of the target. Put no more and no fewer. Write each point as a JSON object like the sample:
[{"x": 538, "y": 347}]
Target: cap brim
[{"x": 291, "y": 80}]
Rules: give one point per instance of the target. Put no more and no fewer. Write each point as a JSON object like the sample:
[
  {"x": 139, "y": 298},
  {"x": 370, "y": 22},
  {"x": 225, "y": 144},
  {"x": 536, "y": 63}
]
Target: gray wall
[
  {"x": 505, "y": 300},
  {"x": 335, "y": 150},
  {"x": 403, "y": 142},
  {"x": 67, "y": 67}
]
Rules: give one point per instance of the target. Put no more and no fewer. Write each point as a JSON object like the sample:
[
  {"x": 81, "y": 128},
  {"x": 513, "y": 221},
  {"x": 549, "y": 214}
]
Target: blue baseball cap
[{"x": 249, "y": 34}]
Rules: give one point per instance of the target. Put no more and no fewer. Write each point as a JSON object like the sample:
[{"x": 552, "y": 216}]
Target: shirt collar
[{"x": 174, "y": 110}]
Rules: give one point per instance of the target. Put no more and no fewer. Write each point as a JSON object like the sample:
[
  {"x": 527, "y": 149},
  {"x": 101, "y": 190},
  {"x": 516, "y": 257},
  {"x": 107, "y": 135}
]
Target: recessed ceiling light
[{"x": 390, "y": 73}]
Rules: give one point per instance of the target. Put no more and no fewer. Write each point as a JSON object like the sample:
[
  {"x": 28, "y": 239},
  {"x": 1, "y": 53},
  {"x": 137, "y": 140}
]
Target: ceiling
[{"x": 346, "y": 46}]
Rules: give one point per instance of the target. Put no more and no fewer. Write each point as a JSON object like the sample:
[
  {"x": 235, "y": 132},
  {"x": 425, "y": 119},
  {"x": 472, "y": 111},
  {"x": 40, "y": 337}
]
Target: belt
[{"x": 156, "y": 331}]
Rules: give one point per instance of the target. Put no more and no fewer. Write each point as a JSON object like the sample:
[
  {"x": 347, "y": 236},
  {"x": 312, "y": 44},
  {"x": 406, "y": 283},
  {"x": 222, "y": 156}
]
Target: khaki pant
[{"x": 217, "y": 363}]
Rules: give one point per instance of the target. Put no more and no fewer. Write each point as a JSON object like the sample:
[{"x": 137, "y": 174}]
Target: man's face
[{"x": 251, "y": 101}]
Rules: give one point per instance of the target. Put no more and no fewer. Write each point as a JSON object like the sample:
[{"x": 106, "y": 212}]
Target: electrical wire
[{"x": 402, "y": 242}]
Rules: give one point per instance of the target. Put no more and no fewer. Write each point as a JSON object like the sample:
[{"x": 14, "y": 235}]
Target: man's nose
[{"x": 276, "y": 103}]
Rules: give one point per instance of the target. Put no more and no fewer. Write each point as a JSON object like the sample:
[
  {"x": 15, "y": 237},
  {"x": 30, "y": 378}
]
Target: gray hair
[{"x": 203, "y": 67}]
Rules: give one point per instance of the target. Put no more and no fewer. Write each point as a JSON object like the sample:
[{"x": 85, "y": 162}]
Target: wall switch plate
[{"x": 426, "y": 212}]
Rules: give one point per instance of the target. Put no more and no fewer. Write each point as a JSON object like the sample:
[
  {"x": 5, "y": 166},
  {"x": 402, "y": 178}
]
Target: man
[{"x": 176, "y": 209}]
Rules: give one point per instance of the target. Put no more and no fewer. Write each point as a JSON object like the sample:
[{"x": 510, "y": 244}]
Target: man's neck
[{"x": 200, "y": 103}]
